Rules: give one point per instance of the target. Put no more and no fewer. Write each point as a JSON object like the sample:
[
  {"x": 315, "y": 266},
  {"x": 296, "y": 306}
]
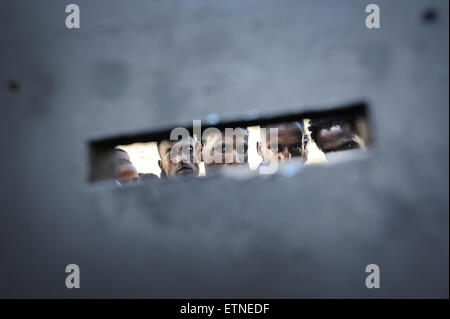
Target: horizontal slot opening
[{"x": 205, "y": 147}]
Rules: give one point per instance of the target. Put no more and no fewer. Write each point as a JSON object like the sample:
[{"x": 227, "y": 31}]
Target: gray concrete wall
[{"x": 143, "y": 65}]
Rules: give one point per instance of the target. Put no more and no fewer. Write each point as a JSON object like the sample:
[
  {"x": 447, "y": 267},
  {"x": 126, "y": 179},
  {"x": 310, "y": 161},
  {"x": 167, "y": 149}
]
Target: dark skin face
[
  {"x": 229, "y": 148},
  {"x": 288, "y": 145},
  {"x": 339, "y": 137},
  {"x": 183, "y": 162}
]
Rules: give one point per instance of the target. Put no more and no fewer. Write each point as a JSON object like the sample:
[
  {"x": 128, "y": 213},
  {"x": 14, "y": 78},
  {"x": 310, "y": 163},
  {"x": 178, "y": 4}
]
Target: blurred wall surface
[{"x": 135, "y": 65}]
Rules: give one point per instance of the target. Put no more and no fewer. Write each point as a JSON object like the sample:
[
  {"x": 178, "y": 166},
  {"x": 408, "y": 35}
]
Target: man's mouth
[{"x": 184, "y": 169}]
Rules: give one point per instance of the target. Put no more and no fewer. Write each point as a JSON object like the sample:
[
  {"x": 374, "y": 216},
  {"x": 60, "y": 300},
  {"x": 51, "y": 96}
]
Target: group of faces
[{"x": 280, "y": 142}]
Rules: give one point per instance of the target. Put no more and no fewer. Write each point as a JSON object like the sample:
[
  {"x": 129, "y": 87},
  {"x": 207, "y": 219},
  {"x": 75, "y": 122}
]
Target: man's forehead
[
  {"x": 335, "y": 136},
  {"x": 223, "y": 137},
  {"x": 121, "y": 154},
  {"x": 289, "y": 133},
  {"x": 168, "y": 143},
  {"x": 336, "y": 131}
]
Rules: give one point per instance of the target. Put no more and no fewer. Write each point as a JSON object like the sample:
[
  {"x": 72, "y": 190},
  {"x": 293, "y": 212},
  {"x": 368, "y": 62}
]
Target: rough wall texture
[{"x": 138, "y": 65}]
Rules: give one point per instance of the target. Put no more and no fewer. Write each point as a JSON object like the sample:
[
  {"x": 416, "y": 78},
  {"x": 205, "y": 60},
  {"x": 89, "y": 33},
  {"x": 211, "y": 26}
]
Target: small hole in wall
[
  {"x": 13, "y": 86},
  {"x": 429, "y": 15}
]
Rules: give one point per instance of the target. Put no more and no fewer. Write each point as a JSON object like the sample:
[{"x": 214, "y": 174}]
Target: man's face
[
  {"x": 288, "y": 143},
  {"x": 179, "y": 157},
  {"x": 339, "y": 137},
  {"x": 225, "y": 149}
]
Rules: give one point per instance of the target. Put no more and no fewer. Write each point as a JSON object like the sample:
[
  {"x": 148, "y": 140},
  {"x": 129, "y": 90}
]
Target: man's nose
[
  {"x": 185, "y": 157},
  {"x": 284, "y": 154},
  {"x": 178, "y": 157}
]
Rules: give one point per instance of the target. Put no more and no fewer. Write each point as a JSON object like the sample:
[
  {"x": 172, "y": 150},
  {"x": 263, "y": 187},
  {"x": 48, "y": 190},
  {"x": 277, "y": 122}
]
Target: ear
[
  {"x": 304, "y": 144},
  {"x": 258, "y": 148},
  {"x": 163, "y": 173},
  {"x": 198, "y": 151}
]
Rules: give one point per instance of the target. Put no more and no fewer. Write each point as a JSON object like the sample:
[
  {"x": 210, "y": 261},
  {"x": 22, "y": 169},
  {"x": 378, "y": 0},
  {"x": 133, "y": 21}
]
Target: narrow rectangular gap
[{"x": 307, "y": 137}]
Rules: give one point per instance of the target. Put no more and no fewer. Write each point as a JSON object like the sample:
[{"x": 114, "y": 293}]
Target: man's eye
[
  {"x": 188, "y": 152},
  {"x": 243, "y": 149},
  {"x": 274, "y": 148},
  {"x": 295, "y": 149},
  {"x": 226, "y": 148},
  {"x": 349, "y": 145}
]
